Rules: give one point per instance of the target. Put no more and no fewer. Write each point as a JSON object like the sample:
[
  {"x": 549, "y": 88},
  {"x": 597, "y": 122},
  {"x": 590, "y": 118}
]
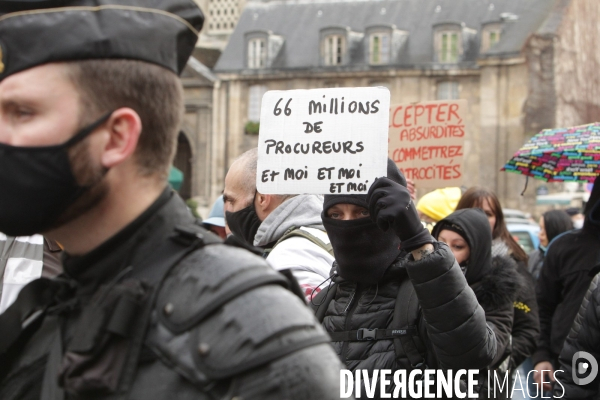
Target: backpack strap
[
  {"x": 311, "y": 234},
  {"x": 407, "y": 307}
]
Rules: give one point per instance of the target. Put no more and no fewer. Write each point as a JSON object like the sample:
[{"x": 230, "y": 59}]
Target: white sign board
[{"x": 322, "y": 141}]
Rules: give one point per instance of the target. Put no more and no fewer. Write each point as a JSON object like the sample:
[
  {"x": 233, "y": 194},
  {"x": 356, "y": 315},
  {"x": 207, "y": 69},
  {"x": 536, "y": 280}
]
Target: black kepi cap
[{"x": 36, "y": 32}]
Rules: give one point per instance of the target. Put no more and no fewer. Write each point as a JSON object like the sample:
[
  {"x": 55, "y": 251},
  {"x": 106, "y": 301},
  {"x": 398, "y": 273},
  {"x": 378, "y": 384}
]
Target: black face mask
[
  {"x": 37, "y": 184},
  {"x": 362, "y": 251},
  {"x": 244, "y": 223}
]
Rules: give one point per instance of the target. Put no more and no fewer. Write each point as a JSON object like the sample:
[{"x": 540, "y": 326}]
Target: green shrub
[
  {"x": 252, "y": 128},
  {"x": 193, "y": 206}
]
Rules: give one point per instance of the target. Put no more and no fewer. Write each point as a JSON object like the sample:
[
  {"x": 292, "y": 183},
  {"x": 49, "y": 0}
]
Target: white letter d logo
[{"x": 582, "y": 367}]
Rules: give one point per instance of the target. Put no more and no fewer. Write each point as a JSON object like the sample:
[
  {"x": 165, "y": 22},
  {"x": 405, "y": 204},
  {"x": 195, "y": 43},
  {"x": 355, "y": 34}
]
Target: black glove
[{"x": 390, "y": 206}]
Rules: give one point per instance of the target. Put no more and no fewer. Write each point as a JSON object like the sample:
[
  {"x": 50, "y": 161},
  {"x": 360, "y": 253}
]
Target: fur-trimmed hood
[{"x": 500, "y": 285}]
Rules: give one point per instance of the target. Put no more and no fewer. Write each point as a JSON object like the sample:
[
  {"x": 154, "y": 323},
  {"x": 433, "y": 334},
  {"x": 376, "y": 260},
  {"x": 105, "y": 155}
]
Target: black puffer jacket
[
  {"x": 526, "y": 324},
  {"x": 494, "y": 280},
  {"x": 450, "y": 322},
  {"x": 565, "y": 279},
  {"x": 584, "y": 336},
  {"x": 495, "y": 284},
  {"x": 496, "y": 292}
]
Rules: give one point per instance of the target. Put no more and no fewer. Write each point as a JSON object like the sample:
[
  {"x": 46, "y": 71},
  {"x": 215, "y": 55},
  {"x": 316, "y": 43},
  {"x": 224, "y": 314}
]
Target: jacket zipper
[{"x": 350, "y": 308}]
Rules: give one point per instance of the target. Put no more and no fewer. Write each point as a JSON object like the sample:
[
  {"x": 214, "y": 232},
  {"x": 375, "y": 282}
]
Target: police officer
[{"x": 151, "y": 305}]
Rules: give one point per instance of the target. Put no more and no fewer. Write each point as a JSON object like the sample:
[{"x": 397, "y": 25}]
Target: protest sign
[
  {"x": 322, "y": 141},
  {"x": 427, "y": 141}
]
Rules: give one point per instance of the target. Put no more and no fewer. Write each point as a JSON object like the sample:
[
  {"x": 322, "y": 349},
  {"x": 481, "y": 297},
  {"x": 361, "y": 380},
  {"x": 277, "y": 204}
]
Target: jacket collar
[{"x": 130, "y": 246}]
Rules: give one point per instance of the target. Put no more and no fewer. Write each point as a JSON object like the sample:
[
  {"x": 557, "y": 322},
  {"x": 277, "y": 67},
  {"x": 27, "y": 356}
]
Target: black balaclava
[
  {"x": 472, "y": 224},
  {"x": 362, "y": 251}
]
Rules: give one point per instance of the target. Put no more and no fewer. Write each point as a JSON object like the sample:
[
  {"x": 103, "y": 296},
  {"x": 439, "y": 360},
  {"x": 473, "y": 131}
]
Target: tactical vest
[{"x": 114, "y": 327}]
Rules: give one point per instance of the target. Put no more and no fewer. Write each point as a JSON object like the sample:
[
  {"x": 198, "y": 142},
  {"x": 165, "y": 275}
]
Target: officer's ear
[{"x": 123, "y": 130}]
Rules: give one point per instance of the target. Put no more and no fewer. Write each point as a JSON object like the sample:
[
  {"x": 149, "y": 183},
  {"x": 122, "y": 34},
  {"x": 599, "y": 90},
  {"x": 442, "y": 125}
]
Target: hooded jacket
[
  {"x": 583, "y": 336},
  {"x": 450, "y": 323},
  {"x": 309, "y": 263},
  {"x": 429, "y": 296},
  {"x": 564, "y": 280},
  {"x": 526, "y": 325},
  {"x": 494, "y": 282},
  {"x": 502, "y": 282}
]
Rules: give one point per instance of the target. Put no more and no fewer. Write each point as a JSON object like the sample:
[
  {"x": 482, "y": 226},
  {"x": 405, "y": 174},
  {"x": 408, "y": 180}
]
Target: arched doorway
[{"x": 183, "y": 161}]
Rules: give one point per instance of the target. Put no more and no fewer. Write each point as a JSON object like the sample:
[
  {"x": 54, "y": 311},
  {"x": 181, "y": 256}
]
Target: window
[
  {"x": 257, "y": 53},
  {"x": 379, "y": 48},
  {"x": 255, "y": 95},
  {"x": 447, "y": 90},
  {"x": 490, "y": 35},
  {"x": 333, "y": 49},
  {"x": 449, "y": 47},
  {"x": 223, "y": 16},
  {"x": 494, "y": 37}
]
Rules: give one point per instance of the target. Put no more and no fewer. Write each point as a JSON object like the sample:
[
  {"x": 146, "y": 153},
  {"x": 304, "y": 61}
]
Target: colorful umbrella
[{"x": 564, "y": 154}]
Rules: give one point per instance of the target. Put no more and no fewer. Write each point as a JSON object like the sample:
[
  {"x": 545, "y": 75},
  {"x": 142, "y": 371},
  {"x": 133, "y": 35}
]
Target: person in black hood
[
  {"x": 566, "y": 275},
  {"x": 494, "y": 280},
  {"x": 398, "y": 300},
  {"x": 525, "y": 323}
]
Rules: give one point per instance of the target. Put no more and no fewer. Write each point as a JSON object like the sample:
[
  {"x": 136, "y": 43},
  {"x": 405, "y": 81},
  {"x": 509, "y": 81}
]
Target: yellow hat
[{"x": 440, "y": 203}]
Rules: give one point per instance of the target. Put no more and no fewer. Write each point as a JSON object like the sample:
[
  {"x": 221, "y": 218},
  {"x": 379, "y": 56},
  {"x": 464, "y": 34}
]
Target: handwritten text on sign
[
  {"x": 427, "y": 141},
  {"x": 322, "y": 141}
]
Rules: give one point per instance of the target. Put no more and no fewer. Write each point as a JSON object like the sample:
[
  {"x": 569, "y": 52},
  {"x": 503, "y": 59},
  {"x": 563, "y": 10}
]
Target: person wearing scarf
[{"x": 381, "y": 249}]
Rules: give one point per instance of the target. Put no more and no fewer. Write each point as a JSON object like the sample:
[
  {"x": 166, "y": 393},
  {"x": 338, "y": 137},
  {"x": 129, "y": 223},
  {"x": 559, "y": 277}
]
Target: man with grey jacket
[{"x": 288, "y": 228}]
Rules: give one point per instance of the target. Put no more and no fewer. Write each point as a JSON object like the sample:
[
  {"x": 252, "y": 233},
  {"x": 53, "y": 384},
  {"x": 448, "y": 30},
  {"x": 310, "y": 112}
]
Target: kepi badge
[{"x": 1, "y": 59}]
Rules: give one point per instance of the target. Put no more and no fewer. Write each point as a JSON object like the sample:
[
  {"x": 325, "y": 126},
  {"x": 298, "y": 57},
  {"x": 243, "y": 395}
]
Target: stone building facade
[
  {"x": 193, "y": 155},
  {"x": 522, "y": 66},
  {"x": 221, "y": 17}
]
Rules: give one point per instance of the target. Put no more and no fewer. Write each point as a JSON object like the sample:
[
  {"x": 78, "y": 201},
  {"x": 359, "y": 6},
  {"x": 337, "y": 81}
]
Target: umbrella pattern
[{"x": 564, "y": 154}]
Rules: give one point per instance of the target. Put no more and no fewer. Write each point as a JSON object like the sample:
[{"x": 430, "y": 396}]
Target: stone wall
[
  {"x": 504, "y": 89},
  {"x": 577, "y": 65},
  {"x": 197, "y": 134}
]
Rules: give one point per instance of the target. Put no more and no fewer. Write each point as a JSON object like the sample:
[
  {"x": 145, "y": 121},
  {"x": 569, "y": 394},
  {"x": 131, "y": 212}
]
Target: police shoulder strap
[
  {"x": 185, "y": 240},
  {"x": 129, "y": 318}
]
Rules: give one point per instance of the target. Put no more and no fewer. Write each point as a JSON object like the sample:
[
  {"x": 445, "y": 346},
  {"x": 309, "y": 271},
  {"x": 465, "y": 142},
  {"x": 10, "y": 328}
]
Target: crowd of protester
[
  {"x": 519, "y": 308},
  {"x": 445, "y": 272}
]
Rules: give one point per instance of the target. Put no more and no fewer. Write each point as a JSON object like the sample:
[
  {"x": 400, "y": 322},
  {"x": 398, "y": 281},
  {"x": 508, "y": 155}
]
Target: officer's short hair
[{"x": 154, "y": 92}]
